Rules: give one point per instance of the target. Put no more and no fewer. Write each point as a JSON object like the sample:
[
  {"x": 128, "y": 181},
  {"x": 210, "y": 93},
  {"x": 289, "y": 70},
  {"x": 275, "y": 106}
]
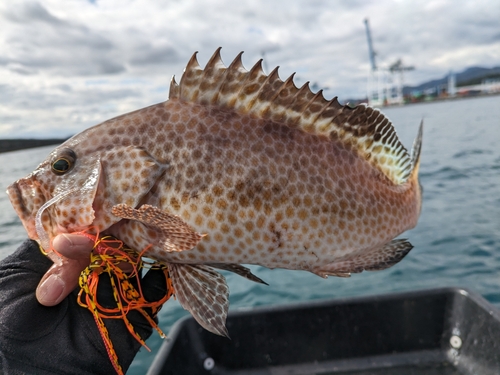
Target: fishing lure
[{"x": 123, "y": 265}]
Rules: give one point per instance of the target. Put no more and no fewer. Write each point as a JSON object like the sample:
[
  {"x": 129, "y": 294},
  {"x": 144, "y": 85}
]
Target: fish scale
[{"x": 237, "y": 167}]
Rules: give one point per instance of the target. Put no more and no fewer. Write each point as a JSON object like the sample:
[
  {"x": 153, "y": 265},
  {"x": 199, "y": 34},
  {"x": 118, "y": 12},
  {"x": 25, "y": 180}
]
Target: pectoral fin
[
  {"x": 378, "y": 259},
  {"x": 173, "y": 233},
  {"x": 204, "y": 293}
]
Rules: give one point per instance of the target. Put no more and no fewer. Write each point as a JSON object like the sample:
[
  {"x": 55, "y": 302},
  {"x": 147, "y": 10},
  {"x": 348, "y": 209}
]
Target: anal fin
[
  {"x": 375, "y": 260},
  {"x": 204, "y": 293}
]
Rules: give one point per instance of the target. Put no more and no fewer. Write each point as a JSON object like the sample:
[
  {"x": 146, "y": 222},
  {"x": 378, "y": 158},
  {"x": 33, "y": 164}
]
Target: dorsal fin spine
[
  {"x": 236, "y": 63},
  {"x": 313, "y": 118},
  {"x": 254, "y": 75},
  {"x": 284, "y": 101},
  {"x": 229, "y": 89},
  {"x": 262, "y": 96},
  {"x": 283, "y": 88},
  {"x": 295, "y": 104},
  {"x": 264, "y": 87},
  {"x": 295, "y": 114},
  {"x": 214, "y": 60},
  {"x": 192, "y": 65},
  {"x": 256, "y": 70},
  {"x": 214, "y": 72},
  {"x": 193, "y": 69},
  {"x": 276, "y": 94},
  {"x": 173, "y": 92},
  {"x": 324, "y": 122}
]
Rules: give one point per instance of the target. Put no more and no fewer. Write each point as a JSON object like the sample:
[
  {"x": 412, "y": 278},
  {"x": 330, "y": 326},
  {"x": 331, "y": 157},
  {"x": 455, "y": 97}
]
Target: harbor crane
[
  {"x": 370, "y": 45},
  {"x": 385, "y": 85}
]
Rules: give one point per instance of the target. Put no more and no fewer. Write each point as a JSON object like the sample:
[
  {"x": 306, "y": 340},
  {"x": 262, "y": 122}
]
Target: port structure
[{"x": 385, "y": 85}]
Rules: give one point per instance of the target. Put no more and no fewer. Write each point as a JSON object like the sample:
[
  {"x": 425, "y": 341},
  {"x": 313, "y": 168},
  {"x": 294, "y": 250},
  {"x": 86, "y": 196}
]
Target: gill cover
[{"x": 129, "y": 173}]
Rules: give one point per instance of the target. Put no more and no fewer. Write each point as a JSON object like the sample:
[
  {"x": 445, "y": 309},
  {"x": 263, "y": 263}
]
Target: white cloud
[{"x": 68, "y": 65}]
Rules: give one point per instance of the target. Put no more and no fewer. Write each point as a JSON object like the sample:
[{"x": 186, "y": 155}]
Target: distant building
[
  {"x": 490, "y": 85},
  {"x": 452, "y": 84}
]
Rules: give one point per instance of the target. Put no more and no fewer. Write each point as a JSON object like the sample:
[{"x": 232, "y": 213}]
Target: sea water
[{"x": 457, "y": 239}]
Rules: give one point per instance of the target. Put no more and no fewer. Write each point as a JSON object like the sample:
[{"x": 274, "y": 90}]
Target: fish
[{"x": 236, "y": 167}]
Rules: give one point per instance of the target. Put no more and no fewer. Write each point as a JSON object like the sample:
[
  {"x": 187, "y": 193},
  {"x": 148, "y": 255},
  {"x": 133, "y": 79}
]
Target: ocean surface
[{"x": 457, "y": 240}]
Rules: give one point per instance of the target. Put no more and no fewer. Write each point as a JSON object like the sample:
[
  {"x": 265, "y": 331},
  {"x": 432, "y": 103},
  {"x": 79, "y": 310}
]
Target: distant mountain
[{"x": 470, "y": 76}]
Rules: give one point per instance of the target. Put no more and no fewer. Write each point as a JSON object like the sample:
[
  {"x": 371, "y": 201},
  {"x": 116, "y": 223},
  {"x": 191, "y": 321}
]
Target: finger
[
  {"x": 73, "y": 246},
  {"x": 61, "y": 279}
]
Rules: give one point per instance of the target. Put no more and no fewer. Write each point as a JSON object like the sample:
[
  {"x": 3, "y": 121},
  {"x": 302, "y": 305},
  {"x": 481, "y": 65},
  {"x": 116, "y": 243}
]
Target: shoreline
[
  {"x": 442, "y": 99},
  {"x": 7, "y": 145}
]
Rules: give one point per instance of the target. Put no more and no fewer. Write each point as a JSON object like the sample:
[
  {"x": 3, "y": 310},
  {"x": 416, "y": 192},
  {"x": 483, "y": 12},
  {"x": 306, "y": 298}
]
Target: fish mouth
[
  {"x": 25, "y": 198},
  {"x": 30, "y": 203}
]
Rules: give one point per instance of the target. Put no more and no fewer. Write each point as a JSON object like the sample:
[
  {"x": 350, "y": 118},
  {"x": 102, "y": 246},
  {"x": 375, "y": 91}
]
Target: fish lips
[{"x": 26, "y": 197}]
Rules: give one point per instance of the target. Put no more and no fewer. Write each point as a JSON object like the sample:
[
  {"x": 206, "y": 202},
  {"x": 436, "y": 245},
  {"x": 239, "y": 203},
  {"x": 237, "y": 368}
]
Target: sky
[{"x": 67, "y": 65}]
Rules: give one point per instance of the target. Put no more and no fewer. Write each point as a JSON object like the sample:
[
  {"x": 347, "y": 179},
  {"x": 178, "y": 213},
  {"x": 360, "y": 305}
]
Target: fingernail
[{"x": 50, "y": 292}]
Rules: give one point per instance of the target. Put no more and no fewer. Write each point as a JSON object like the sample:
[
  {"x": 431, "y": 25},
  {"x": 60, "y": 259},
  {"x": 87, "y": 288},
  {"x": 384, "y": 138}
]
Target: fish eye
[{"x": 64, "y": 162}]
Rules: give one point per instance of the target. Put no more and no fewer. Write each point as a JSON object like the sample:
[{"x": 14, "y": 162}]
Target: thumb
[{"x": 61, "y": 279}]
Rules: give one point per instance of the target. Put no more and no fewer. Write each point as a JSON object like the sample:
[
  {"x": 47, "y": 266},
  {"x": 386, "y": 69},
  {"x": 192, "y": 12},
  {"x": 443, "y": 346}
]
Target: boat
[{"x": 442, "y": 331}]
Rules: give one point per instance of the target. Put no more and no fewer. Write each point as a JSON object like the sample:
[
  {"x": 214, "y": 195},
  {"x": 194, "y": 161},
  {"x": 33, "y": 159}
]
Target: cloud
[
  {"x": 148, "y": 54},
  {"x": 31, "y": 12},
  {"x": 41, "y": 41},
  {"x": 68, "y": 65}
]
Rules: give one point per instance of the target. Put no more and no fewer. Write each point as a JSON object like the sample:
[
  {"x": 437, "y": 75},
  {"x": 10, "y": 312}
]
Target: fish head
[
  {"x": 75, "y": 188},
  {"x": 57, "y": 197}
]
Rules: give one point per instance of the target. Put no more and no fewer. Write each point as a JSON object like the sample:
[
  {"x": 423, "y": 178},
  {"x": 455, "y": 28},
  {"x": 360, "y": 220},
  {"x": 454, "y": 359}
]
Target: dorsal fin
[{"x": 252, "y": 92}]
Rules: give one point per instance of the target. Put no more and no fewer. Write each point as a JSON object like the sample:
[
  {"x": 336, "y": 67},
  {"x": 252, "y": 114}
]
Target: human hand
[{"x": 64, "y": 338}]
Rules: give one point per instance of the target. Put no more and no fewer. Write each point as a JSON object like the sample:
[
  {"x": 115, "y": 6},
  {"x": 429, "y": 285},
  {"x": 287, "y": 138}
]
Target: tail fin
[{"x": 415, "y": 152}]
